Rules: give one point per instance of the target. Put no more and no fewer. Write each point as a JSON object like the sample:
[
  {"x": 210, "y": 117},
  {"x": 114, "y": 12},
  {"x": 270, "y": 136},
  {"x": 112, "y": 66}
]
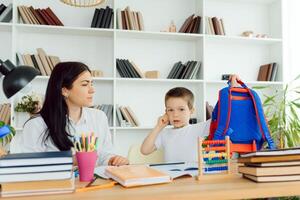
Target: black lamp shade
[{"x": 16, "y": 78}]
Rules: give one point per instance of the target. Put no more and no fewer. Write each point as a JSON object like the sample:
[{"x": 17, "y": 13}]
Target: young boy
[{"x": 180, "y": 142}]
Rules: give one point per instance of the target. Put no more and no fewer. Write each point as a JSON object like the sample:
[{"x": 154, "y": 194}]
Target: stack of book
[
  {"x": 102, "y": 18},
  {"x": 126, "y": 117},
  {"x": 191, "y": 25},
  {"x": 130, "y": 20},
  {"x": 271, "y": 165},
  {"x": 108, "y": 110},
  {"x": 214, "y": 26},
  {"x": 5, "y": 13},
  {"x": 30, "y": 15},
  {"x": 41, "y": 61},
  {"x": 36, "y": 173},
  {"x": 5, "y": 113},
  {"x": 129, "y": 69},
  {"x": 267, "y": 72},
  {"x": 189, "y": 70}
]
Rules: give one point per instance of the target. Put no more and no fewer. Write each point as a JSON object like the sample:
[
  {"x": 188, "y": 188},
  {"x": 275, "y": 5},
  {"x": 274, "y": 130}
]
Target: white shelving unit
[{"x": 153, "y": 50}]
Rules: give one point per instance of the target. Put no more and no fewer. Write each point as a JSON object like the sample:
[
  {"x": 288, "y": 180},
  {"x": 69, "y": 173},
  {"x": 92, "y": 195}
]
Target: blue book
[{"x": 37, "y": 158}]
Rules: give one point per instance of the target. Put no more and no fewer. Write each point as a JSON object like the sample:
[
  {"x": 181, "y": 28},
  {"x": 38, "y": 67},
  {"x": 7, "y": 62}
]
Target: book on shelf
[
  {"x": 30, "y": 15},
  {"x": 191, "y": 24},
  {"x": 108, "y": 110},
  {"x": 137, "y": 69},
  {"x": 44, "y": 187},
  {"x": 129, "y": 20},
  {"x": 267, "y": 72},
  {"x": 41, "y": 61},
  {"x": 186, "y": 23},
  {"x": 214, "y": 26},
  {"x": 136, "y": 175},
  {"x": 128, "y": 69},
  {"x": 189, "y": 70},
  {"x": 120, "y": 118},
  {"x": 2, "y": 8},
  {"x": 5, "y": 113},
  {"x": 126, "y": 117},
  {"x": 102, "y": 18},
  {"x": 132, "y": 116},
  {"x": 6, "y": 13}
]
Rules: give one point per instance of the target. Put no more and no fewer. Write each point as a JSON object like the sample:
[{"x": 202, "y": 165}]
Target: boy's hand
[
  {"x": 117, "y": 161},
  {"x": 163, "y": 121},
  {"x": 233, "y": 80}
]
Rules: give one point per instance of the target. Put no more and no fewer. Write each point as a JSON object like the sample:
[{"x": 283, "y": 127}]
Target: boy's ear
[{"x": 192, "y": 110}]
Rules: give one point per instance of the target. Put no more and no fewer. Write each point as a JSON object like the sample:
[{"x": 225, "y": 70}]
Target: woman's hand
[
  {"x": 117, "y": 161},
  {"x": 233, "y": 80}
]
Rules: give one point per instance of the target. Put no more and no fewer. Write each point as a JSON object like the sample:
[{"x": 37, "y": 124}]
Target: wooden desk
[{"x": 234, "y": 187}]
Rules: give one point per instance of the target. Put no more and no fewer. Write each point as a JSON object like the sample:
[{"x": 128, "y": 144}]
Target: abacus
[{"x": 213, "y": 157}]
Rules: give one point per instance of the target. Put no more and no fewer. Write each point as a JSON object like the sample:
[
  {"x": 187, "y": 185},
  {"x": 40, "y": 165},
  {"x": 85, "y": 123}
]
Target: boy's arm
[{"x": 148, "y": 145}]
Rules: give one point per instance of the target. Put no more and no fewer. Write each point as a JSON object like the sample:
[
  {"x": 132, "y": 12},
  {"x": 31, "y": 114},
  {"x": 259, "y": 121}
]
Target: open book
[
  {"x": 100, "y": 172},
  {"x": 178, "y": 170}
]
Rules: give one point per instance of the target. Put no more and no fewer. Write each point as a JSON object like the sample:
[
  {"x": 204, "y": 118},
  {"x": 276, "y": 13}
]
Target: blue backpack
[{"x": 239, "y": 114}]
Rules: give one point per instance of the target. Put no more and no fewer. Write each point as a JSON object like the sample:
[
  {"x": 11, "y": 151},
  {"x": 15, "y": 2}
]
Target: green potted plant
[
  {"x": 28, "y": 105},
  {"x": 282, "y": 112}
]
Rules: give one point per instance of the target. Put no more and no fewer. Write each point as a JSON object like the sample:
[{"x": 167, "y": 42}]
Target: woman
[{"x": 65, "y": 115}]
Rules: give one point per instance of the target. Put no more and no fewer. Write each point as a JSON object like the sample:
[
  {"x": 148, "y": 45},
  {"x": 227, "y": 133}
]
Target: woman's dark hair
[{"x": 55, "y": 110}]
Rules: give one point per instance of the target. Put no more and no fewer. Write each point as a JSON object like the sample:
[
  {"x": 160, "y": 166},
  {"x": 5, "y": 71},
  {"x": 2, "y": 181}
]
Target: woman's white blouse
[{"x": 92, "y": 120}]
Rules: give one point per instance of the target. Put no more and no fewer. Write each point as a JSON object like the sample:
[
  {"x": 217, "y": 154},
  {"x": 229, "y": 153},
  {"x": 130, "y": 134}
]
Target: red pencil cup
[{"x": 86, "y": 165}]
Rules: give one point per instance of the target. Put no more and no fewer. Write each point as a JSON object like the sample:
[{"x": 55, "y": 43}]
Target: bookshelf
[{"x": 153, "y": 50}]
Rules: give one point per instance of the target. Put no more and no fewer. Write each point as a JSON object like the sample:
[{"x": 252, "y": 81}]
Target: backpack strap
[{"x": 261, "y": 119}]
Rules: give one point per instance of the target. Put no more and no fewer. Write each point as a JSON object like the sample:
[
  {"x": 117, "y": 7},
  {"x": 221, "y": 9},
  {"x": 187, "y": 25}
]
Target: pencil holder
[{"x": 86, "y": 165}]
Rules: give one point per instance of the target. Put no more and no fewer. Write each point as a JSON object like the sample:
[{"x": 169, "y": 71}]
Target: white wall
[{"x": 292, "y": 37}]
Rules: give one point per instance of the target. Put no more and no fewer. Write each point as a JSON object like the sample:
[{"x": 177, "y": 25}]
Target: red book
[
  {"x": 54, "y": 17},
  {"x": 47, "y": 22},
  {"x": 49, "y": 19},
  {"x": 216, "y": 26},
  {"x": 37, "y": 16}
]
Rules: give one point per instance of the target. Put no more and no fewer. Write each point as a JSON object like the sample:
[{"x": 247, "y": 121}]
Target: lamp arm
[{"x": 6, "y": 67}]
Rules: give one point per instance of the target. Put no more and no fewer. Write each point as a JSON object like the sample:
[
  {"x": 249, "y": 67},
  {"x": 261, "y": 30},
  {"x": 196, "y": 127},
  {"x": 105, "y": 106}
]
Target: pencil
[
  {"x": 83, "y": 142},
  {"x": 96, "y": 187}
]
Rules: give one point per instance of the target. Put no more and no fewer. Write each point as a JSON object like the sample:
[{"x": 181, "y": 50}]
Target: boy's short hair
[{"x": 181, "y": 92}]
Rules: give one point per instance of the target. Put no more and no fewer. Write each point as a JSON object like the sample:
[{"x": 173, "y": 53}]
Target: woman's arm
[
  {"x": 32, "y": 138},
  {"x": 106, "y": 152},
  {"x": 148, "y": 145}
]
